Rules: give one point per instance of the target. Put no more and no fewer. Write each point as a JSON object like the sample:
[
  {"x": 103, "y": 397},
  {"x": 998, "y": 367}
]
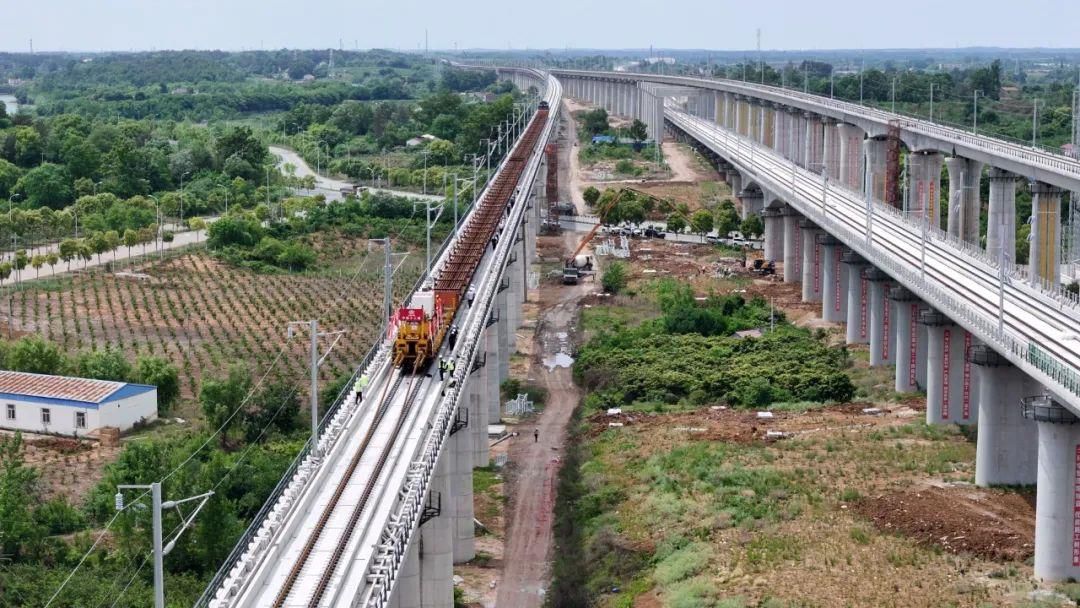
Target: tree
[
  {"x": 220, "y": 397},
  {"x": 614, "y": 278},
  {"x": 69, "y": 250},
  {"x": 595, "y": 121},
  {"x": 701, "y": 222},
  {"x": 98, "y": 244},
  {"x": 52, "y": 259},
  {"x": 5, "y": 271},
  {"x": 676, "y": 223},
  {"x": 727, "y": 219},
  {"x": 752, "y": 225},
  {"x": 158, "y": 372},
  {"x": 37, "y": 262},
  {"x": 17, "y": 528},
  {"x": 241, "y": 143},
  {"x": 442, "y": 152},
  {"x": 36, "y": 355},
  {"x": 131, "y": 239},
  {"x": 638, "y": 131},
  {"x": 48, "y": 185},
  {"x": 9, "y": 176},
  {"x": 591, "y": 195},
  {"x": 296, "y": 256},
  {"x": 106, "y": 364}
]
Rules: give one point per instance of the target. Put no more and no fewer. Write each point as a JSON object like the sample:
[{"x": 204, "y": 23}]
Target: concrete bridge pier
[
  {"x": 951, "y": 393},
  {"x": 503, "y": 327},
  {"x": 798, "y": 138},
  {"x": 910, "y": 343},
  {"x": 851, "y": 155},
  {"x": 882, "y": 349},
  {"x": 779, "y": 129},
  {"x": 492, "y": 404},
  {"x": 876, "y": 162},
  {"x": 774, "y": 234},
  {"x": 1057, "y": 525},
  {"x": 513, "y": 300},
  {"x": 964, "y": 178},
  {"x": 833, "y": 281},
  {"x": 830, "y": 139},
  {"x": 1045, "y": 233},
  {"x": 792, "y": 247},
  {"x": 407, "y": 589},
  {"x": 753, "y": 202},
  {"x": 858, "y": 295},
  {"x": 811, "y": 265},
  {"x": 478, "y": 411},
  {"x": 1001, "y": 217},
  {"x": 815, "y": 145},
  {"x": 1003, "y": 452},
  {"x": 461, "y": 448},
  {"x": 436, "y": 543},
  {"x": 924, "y": 198}
]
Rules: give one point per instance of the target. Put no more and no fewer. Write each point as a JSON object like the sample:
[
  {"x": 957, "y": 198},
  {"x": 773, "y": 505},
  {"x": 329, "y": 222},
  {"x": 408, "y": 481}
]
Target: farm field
[{"x": 203, "y": 314}]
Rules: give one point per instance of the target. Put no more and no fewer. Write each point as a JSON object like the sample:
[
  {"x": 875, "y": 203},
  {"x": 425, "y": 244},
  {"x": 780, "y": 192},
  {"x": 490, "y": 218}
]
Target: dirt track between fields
[{"x": 536, "y": 461}]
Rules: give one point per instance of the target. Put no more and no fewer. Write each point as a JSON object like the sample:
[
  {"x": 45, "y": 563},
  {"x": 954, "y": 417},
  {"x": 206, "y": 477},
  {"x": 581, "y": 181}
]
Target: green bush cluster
[{"x": 689, "y": 355}]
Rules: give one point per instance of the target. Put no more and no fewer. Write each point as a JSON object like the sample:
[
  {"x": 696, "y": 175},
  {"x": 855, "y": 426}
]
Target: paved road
[
  {"x": 330, "y": 187},
  {"x": 119, "y": 254}
]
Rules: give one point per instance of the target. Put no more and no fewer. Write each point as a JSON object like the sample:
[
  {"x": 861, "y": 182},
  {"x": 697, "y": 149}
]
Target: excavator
[{"x": 577, "y": 264}]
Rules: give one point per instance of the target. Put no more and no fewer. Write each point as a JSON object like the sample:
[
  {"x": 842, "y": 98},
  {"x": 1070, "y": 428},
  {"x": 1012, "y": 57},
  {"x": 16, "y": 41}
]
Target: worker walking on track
[
  {"x": 471, "y": 295},
  {"x": 360, "y": 385},
  {"x": 442, "y": 368},
  {"x": 452, "y": 336}
]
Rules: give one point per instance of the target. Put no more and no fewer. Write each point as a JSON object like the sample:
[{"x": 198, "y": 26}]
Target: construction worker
[
  {"x": 471, "y": 295},
  {"x": 442, "y": 368},
  {"x": 360, "y": 385},
  {"x": 450, "y": 366},
  {"x": 452, "y": 336}
]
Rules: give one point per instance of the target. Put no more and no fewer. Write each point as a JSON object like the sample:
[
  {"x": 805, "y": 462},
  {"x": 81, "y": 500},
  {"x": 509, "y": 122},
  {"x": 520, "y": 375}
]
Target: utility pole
[
  {"x": 157, "y": 505},
  {"x": 894, "y": 95},
  {"x": 761, "y": 59},
  {"x": 931, "y": 102},
  {"x": 313, "y": 351},
  {"x": 975, "y": 115},
  {"x": 1035, "y": 122}
]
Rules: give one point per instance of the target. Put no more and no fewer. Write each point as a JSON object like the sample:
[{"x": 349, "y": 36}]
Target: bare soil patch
[{"x": 992, "y": 524}]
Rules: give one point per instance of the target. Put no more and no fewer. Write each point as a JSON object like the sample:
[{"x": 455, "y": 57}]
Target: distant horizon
[
  {"x": 492, "y": 25},
  {"x": 552, "y": 50}
]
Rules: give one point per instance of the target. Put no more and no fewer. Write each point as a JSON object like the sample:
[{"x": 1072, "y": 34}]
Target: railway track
[{"x": 385, "y": 400}]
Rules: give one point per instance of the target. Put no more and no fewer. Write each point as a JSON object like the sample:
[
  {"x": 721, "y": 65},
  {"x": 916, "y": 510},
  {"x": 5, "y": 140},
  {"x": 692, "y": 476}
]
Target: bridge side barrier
[
  {"x": 1042, "y": 366},
  {"x": 398, "y": 533},
  {"x": 301, "y": 470}
]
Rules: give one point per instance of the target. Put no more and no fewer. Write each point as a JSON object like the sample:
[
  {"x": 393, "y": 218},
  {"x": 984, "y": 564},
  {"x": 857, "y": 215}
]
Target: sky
[{"x": 104, "y": 25}]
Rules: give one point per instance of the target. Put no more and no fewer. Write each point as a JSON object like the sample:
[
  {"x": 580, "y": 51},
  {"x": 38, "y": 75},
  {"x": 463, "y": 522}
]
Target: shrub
[{"x": 614, "y": 278}]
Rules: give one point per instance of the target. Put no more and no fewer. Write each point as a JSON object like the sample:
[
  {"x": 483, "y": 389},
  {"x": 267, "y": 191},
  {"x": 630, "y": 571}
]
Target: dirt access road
[{"x": 529, "y": 537}]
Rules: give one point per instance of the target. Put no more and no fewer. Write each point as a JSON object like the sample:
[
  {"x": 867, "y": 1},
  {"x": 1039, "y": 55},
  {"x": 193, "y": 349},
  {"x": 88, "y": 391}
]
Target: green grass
[{"x": 768, "y": 550}]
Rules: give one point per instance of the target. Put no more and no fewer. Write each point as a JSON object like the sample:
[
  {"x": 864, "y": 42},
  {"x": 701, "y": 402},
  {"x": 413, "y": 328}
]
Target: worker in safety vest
[
  {"x": 442, "y": 368},
  {"x": 360, "y": 385}
]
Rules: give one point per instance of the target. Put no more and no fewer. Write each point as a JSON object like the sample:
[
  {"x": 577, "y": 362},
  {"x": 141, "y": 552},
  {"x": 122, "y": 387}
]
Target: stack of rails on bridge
[
  {"x": 313, "y": 576},
  {"x": 423, "y": 324}
]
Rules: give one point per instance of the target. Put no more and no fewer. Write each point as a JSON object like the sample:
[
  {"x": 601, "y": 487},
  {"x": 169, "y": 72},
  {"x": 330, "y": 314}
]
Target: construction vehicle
[{"x": 763, "y": 268}]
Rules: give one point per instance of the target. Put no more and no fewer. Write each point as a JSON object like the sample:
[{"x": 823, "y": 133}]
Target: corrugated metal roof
[{"x": 57, "y": 387}]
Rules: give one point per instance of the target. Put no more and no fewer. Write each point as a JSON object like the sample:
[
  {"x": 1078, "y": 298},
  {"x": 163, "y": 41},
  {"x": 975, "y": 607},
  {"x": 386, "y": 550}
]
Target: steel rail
[
  {"x": 294, "y": 573},
  {"x": 1023, "y": 314}
]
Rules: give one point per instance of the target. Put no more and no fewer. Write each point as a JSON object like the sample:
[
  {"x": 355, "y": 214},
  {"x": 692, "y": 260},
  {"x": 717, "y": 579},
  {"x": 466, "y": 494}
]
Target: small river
[{"x": 9, "y": 101}]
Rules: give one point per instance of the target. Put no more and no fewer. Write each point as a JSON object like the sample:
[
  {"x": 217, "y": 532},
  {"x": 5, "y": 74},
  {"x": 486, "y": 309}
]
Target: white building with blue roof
[{"x": 64, "y": 405}]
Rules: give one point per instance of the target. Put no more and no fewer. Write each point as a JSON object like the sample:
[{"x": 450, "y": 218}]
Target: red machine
[{"x": 422, "y": 326}]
